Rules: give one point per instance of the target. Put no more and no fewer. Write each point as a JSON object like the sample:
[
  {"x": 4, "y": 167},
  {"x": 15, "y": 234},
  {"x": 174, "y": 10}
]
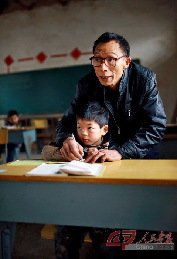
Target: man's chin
[{"x": 107, "y": 84}]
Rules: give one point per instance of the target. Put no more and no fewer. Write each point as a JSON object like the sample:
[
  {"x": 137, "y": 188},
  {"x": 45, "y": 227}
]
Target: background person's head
[
  {"x": 111, "y": 56},
  {"x": 92, "y": 123},
  {"x": 13, "y": 117}
]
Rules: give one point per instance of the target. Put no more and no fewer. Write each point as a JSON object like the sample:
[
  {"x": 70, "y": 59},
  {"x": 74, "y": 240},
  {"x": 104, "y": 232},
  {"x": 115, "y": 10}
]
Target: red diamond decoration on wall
[
  {"x": 8, "y": 60},
  {"x": 41, "y": 57},
  {"x": 76, "y": 53}
]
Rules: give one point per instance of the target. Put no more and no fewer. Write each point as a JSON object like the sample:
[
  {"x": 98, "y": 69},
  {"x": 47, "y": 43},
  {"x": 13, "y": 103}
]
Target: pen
[
  {"x": 81, "y": 159},
  {"x": 56, "y": 162}
]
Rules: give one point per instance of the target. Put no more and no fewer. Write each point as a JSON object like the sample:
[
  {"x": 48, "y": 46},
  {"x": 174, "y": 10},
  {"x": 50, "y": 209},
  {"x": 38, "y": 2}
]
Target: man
[{"x": 137, "y": 119}]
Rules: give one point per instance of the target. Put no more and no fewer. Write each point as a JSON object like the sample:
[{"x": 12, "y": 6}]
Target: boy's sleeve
[{"x": 51, "y": 152}]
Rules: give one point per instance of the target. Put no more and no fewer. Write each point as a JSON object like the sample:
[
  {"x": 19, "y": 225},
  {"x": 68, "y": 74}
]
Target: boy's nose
[{"x": 84, "y": 132}]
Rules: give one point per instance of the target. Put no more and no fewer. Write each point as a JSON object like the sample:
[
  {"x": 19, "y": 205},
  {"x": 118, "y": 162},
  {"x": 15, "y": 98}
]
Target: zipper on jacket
[
  {"x": 129, "y": 113},
  {"x": 110, "y": 109},
  {"x": 118, "y": 130}
]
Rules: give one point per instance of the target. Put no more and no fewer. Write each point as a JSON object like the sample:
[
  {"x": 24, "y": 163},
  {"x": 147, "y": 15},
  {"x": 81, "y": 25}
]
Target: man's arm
[
  {"x": 85, "y": 91},
  {"x": 152, "y": 129},
  {"x": 69, "y": 148}
]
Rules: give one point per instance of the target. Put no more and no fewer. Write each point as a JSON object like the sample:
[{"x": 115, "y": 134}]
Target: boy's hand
[
  {"x": 103, "y": 155},
  {"x": 71, "y": 150}
]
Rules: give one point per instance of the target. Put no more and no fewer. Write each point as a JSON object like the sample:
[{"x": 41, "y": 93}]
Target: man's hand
[
  {"x": 71, "y": 150},
  {"x": 103, "y": 155},
  {"x": 91, "y": 150}
]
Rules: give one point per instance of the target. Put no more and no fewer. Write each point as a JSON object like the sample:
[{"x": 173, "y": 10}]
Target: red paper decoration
[
  {"x": 41, "y": 57},
  {"x": 76, "y": 53},
  {"x": 8, "y": 60}
]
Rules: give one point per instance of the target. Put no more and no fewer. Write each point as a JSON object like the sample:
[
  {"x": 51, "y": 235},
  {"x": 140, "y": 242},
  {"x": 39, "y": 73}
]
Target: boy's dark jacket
[{"x": 140, "y": 121}]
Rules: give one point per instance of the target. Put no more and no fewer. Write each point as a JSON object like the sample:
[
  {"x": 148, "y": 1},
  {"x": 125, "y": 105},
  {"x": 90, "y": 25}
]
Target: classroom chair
[
  {"x": 48, "y": 232},
  {"x": 42, "y": 129}
]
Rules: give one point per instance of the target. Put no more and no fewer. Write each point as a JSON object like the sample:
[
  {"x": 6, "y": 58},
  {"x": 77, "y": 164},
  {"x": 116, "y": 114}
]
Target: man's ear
[
  {"x": 104, "y": 130},
  {"x": 127, "y": 62}
]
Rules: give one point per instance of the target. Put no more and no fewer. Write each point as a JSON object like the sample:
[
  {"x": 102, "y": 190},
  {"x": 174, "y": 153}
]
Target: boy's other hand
[{"x": 71, "y": 150}]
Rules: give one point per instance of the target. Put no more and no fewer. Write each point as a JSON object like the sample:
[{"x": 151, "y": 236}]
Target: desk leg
[
  {"x": 17, "y": 151},
  {"x": 7, "y": 234},
  {"x": 29, "y": 136}
]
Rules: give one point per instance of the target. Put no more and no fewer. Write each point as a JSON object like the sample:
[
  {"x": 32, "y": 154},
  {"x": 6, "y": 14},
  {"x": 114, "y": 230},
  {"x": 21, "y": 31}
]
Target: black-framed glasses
[{"x": 109, "y": 62}]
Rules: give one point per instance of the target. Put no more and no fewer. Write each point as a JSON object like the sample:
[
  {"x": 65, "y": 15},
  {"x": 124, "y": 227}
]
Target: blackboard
[{"x": 40, "y": 91}]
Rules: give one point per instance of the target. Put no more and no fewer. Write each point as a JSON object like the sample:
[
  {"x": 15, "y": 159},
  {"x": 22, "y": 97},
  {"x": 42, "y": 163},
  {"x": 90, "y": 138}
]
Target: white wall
[{"x": 149, "y": 26}]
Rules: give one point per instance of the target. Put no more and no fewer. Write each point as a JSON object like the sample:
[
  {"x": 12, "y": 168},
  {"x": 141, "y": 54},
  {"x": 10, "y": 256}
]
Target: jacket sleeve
[{"x": 152, "y": 127}]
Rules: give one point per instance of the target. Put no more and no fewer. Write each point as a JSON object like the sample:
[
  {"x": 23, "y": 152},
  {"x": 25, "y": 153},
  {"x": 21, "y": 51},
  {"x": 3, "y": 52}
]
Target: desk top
[
  {"x": 11, "y": 128},
  {"x": 145, "y": 172}
]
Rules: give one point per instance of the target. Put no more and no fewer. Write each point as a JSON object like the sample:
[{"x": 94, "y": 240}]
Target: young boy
[
  {"x": 92, "y": 128},
  {"x": 13, "y": 119}
]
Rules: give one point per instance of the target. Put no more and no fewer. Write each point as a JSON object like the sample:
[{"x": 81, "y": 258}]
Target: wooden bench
[{"x": 48, "y": 232}]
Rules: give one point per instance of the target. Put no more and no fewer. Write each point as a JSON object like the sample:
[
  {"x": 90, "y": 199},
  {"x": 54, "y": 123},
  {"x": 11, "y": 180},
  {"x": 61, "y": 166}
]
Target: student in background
[{"x": 13, "y": 119}]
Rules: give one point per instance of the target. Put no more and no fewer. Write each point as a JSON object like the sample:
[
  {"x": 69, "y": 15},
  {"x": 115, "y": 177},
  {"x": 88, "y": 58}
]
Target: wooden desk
[
  {"x": 26, "y": 135},
  {"x": 131, "y": 194}
]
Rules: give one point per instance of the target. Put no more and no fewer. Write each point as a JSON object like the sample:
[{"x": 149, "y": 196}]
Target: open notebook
[{"x": 71, "y": 168}]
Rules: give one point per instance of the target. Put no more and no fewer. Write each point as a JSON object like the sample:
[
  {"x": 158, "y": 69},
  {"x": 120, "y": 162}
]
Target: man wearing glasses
[
  {"x": 136, "y": 125},
  {"x": 128, "y": 90}
]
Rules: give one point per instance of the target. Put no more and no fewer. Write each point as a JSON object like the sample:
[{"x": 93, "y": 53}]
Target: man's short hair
[
  {"x": 109, "y": 36},
  {"x": 12, "y": 113},
  {"x": 94, "y": 111}
]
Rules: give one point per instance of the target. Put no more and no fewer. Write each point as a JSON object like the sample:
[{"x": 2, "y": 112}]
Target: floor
[{"x": 29, "y": 245}]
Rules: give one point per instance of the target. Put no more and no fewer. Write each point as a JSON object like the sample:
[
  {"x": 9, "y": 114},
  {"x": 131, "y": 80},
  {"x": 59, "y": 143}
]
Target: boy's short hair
[
  {"x": 12, "y": 113},
  {"x": 94, "y": 111}
]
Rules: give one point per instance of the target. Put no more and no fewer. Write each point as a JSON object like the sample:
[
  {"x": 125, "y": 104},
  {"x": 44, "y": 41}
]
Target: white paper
[
  {"x": 2, "y": 170},
  {"x": 80, "y": 168},
  {"x": 46, "y": 169}
]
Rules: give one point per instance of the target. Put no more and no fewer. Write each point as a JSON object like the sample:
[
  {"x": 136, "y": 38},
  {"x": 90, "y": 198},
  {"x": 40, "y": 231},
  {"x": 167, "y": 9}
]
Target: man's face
[{"x": 110, "y": 76}]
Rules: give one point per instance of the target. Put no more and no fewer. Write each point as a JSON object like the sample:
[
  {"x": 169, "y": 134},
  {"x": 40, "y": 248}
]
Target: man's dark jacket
[{"x": 138, "y": 124}]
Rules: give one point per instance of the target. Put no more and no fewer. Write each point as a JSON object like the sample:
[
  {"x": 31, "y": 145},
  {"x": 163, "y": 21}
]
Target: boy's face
[
  {"x": 89, "y": 132},
  {"x": 14, "y": 119}
]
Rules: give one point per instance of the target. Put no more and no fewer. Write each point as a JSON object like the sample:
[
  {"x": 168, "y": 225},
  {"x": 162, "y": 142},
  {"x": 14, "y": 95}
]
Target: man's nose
[{"x": 103, "y": 66}]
